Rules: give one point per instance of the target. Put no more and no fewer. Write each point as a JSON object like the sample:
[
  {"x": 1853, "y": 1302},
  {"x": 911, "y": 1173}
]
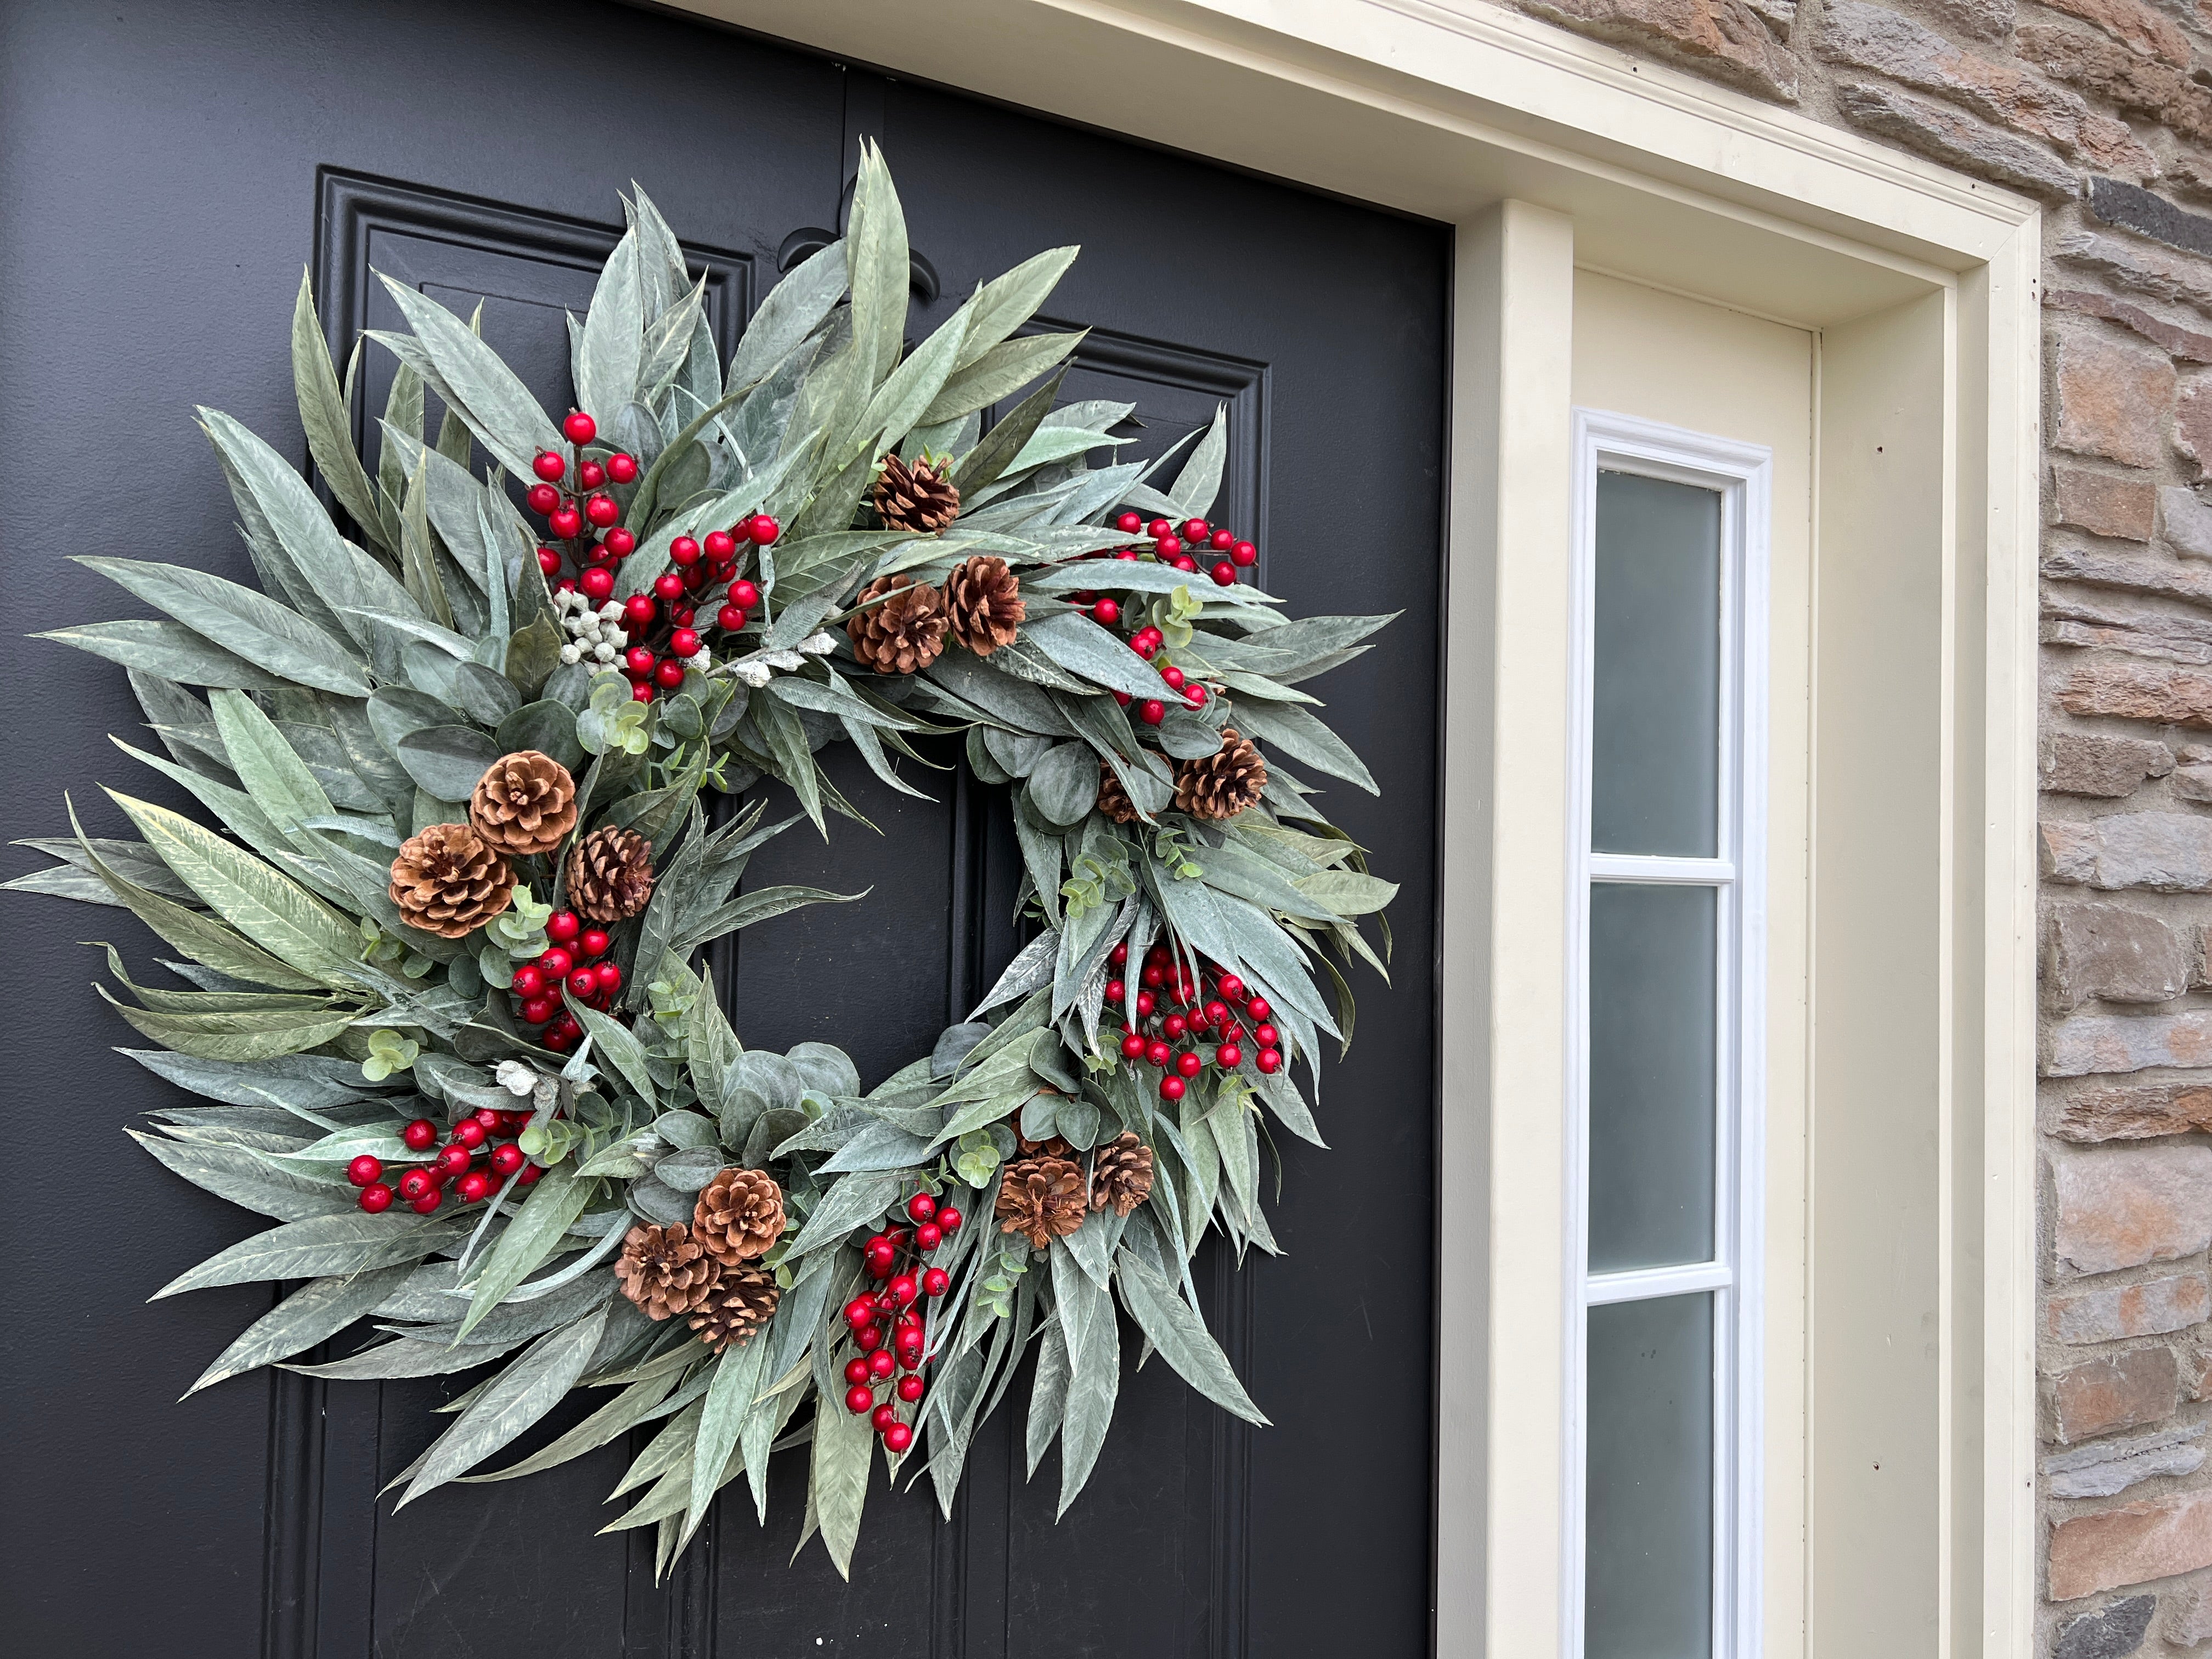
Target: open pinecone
[
  {"x": 985, "y": 599},
  {"x": 1042, "y": 1198},
  {"x": 905, "y": 632},
  {"x": 611, "y": 874},
  {"x": 664, "y": 1270},
  {"x": 1121, "y": 1175},
  {"x": 1113, "y": 799},
  {"x": 1051, "y": 1146},
  {"x": 740, "y": 1302},
  {"x": 1224, "y": 783},
  {"x": 917, "y": 495},
  {"x": 739, "y": 1215},
  {"x": 524, "y": 803},
  {"x": 448, "y": 881}
]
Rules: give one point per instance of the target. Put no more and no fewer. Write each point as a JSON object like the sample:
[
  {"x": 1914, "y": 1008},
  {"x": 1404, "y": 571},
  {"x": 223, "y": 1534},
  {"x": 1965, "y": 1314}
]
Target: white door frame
[{"x": 1552, "y": 154}]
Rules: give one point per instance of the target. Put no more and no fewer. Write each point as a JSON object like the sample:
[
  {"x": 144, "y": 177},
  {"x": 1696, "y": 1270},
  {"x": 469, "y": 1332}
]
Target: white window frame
[{"x": 1742, "y": 475}]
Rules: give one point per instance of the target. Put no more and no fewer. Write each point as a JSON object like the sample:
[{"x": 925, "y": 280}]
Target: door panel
[{"x": 423, "y": 140}]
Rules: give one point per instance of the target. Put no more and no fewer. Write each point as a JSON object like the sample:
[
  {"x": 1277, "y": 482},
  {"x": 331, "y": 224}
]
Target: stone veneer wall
[{"x": 2102, "y": 109}]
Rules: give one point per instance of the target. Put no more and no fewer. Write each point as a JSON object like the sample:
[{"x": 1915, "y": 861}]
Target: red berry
[
  {"x": 1106, "y": 612},
  {"x": 595, "y": 941},
  {"x": 1194, "y": 694},
  {"x": 669, "y": 675},
  {"x": 1159, "y": 527},
  {"x": 414, "y": 1183},
  {"x": 1229, "y": 1056},
  {"x": 584, "y": 983},
  {"x": 471, "y": 1187},
  {"x": 470, "y": 1134},
  {"x": 1129, "y": 523},
  {"x": 1267, "y": 1036},
  {"x": 879, "y": 1257},
  {"x": 1173, "y": 676},
  {"x": 1123, "y": 698},
  {"x": 566, "y": 523},
  {"x": 1167, "y": 547},
  {"x": 528, "y": 983},
  {"x": 1157, "y": 1053},
  {"x": 922, "y": 1206},
  {"x": 610, "y": 978},
  {"x": 869, "y": 1338},
  {"x": 898, "y": 1439},
  {"x": 1143, "y": 646},
  {"x": 506, "y": 1160},
  {"x": 428, "y": 1202},
  {"x": 529, "y": 1174},
  {"x": 1221, "y": 540},
  {"x": 1269, "y": 1061},
  {"x": 683, "y": 643},
  {"x": 591, "y": 474},
  {"x": 729, "y": 619},
  {"x": 928, "y": 1236},
  {"x": 548, "y": 466},
  {"x": 763, "y": 529},
  {"x": 1174, "y": 1026},
  {"x": 620, "y": 542},
  {"x": 1153, "y": 712},
  {"x": 420, "y": 1136},
  {"x": 542, "y": 498},
  {"x": 1196, "y": 530},
  {"x": 637, "y": 661},
  {"x": 453, "y": 1159},
  {"x": 623, "y": 469},
  {"x": 638, "y": 611},
  {"x": 376, "y": 1198},
  {"x": 1232, "y": 988},
  {"x": 683, "y": 550},
  {"x": 936, "y": 1281},
  {"x": 1120, "y": 955},
  {"x": 1133, "y": 1046},
  {"x": 364, "y": 1170},
  {"x": 721, "y": 546},
  {"x": 555, "y": 963},
  {"x": 669, "y": 585},
  {"x": 880, "y": 1363},
  {"x": 744, "y": 594},
  {"x": 1154, "y": 977},
  {"x": 563, "y": 926},
  {"x": 1225, "y": 575},
  {"x": 904, "y": 1289},
  {"x": 948, "y": 1219},
  {"x": 856, "y": 1370},
  {"x": 1184, "y": 562},
  {"x": 1145, "y": 1003},
  {"x": 1189, "y": 1064},
  {"x": 860, "y": 1400},
  {"x": 642, "y": 692},
  {"x": 602, "y": 511},
  {"x": 909, "y": 1388},
  {"x": 1244, "y": 554},
  {"x": 581, "y": 427},
  {"x": 1117, "y": 990},
  {"x": 597, "y": 584},
  {"x": 1172, "y": 1087},
  {"x": 549, "y": 562},
  {"x": 537, "y": 1010},
  {"x": 1259, "y": 1007},
  {"x": 860, "y": 1312}
]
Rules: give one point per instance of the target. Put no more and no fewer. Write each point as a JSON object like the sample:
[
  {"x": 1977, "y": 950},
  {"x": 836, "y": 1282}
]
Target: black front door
[{"x": 167, "y": 167}]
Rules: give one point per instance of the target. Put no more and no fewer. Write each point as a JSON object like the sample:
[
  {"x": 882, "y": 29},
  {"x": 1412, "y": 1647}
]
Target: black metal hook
[{"x": 808, "y": 240}]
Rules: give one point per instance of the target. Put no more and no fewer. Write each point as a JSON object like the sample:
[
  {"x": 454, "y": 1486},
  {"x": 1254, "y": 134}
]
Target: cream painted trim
[{"x": 1540, "y": 148}]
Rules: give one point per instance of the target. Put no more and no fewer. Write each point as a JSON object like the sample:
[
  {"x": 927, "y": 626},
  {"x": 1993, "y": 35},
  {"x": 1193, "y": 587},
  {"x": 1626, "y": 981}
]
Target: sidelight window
[{"x": 1666, "y": 1067}]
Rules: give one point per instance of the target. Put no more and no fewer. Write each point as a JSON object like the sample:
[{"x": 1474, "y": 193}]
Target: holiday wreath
[{"x": 446, "y": 1008}]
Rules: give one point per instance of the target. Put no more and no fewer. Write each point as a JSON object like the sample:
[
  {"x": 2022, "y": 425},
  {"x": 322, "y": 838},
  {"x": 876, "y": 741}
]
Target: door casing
[{"x": 1556, "y": 155}]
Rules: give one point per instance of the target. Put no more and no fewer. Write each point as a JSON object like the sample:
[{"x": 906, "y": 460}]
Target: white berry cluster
[
  {"x": 758, "y": 669},
  {"x": 595, "y": 634}
]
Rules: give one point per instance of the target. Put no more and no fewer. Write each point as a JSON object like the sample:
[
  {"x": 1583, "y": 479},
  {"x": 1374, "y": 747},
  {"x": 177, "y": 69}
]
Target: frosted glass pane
[
  {"x": 1654, "y": 772},
  {"x": 1647, "y": 1586},
  {"x": 1651, "y": 1074}
]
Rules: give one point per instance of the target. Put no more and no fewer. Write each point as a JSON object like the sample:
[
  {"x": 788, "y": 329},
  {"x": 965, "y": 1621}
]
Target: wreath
[{"x": 474, "y": 789}]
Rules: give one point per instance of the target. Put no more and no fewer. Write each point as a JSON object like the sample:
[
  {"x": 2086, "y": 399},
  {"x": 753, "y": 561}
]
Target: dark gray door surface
[{"x": 166, "y": 167}]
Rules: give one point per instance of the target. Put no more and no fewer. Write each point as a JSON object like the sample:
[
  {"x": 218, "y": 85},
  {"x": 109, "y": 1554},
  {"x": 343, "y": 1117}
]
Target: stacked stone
[{"x": 2093, "y": 107}]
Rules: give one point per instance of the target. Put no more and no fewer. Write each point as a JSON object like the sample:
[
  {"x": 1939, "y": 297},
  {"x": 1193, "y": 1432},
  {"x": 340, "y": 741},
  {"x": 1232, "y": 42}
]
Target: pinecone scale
[
  {"x": 898, "y": 626},
  {"x": 1042, "y": 1198},
  {"x": 1121, "y": 1175},
  {"x": 739, "y": 1215},
  {"x": 524, "y": 803},
  {"x": 984, "y": 599},
  {"x": 449, "y": 881},
  {"x": 742, "y": 1301},
  {"x": 917, "y": 495},
  {"x": 664, "y": 1270},
  {"x": 610, "y": 874},
  {"x": 1225, "y": 783}
]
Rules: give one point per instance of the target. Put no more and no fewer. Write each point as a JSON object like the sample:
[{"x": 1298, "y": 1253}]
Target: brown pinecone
[
  {"x": 1113, "y": 799},
  {"x": 1121, "y": 1175},
  {"x": 664, "y": 1270},
  {"x": 1042, "y": 1198},
  {"x": 920, "y": 495},
  {"x": 739, "y": 1215},
  {"x": 985, "y": 599},
  {"x": 740, "y": 1303},
  {"x": 449, "y": 882},
  {"x": 1225, "y": 782},
  {"x": 903, "y": 633},
  {"x": 1051, "y": 1146},
  {"x": 524, "y": 803},
  {"x": 611, "y": 874}
]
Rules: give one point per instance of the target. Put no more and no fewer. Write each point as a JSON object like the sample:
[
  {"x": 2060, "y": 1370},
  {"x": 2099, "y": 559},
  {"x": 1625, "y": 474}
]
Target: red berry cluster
[
  {"x": 573, "y": 959},
  {"x": 896, "y": 1258},
  {"x": 585, "y": 521},
  {"x": 1175, "y": 1014},
  {"x": 1172, "y": 545},
  {"x": 468, "y": 1160},
  {"x": 1182, "y": 545}
]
